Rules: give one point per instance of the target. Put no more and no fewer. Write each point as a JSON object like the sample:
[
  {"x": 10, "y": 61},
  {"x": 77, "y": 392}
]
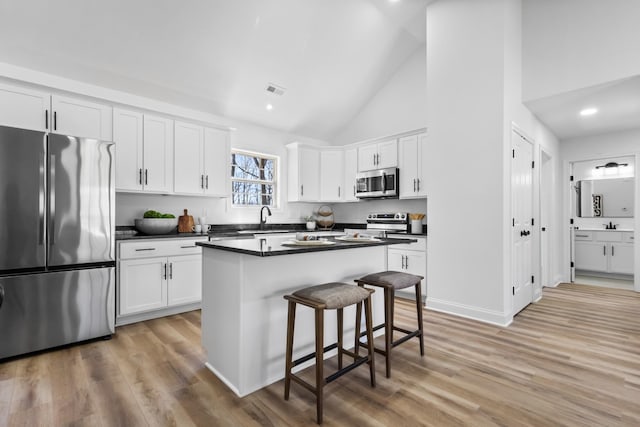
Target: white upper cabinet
[
  {"x": 158, "y": 154},
  {"x": 411, "y": 160},
  {"x": 331, "y": 175},
  {"x": 24, "y": 108},
  {"x": 77, "y": 117},
  {"x": 350, "y": 171},
  {"x": 144, "y": 151},
  {"x": 378, "y": 155},
  {"x": 202, "y": 160},
  {"x": 37, "y": 110},
  {"x": 128, "y": 136},
  {"x": 189, "y": 141},
  {"x": 303, "y": 173},
  {"x": 217, "y": 163}
]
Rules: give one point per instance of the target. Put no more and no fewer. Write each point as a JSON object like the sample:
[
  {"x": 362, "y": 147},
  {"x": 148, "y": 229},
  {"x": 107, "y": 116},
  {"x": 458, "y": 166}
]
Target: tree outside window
[{"x": 253, "y": 179}]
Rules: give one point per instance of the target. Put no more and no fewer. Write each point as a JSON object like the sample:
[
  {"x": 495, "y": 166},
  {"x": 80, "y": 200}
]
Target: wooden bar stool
[
  {"x": 329, "y": 296},
  {"x": 390, "y": 281}
]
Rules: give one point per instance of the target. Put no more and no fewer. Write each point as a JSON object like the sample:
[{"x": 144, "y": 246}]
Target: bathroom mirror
[{"x": 605, "y": 198}]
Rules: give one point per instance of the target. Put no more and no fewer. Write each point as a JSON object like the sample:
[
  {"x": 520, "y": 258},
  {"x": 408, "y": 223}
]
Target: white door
[
  {"x": 188, "y": 175},
  {"x": 128, "y": 136},
  {"x": 408, "y": 163},
  {"x": 309, "y": 168},
  {"x": 387, "y": 154},
  {"x": 142, "y": 285},
  {"x": 522, "y": 217},
  {"x": 217, "y": 162},
  {"x": 158, "y": 154},
  {"x": 331, "y": 175},
  {"x": 621, "y": 258},
  {"x": 185, "y": 279},
  {"x": 350, "y": 171}
]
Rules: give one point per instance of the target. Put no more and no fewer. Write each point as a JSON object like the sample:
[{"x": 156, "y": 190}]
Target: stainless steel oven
[{"x": 378, "y": 184}]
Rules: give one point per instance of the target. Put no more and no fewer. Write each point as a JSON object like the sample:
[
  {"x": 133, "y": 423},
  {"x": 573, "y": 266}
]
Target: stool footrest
[
  {"x": 313, "y": 355},
  {"x": 405, "y": 338},
  {"x": 346, "y": 369}
]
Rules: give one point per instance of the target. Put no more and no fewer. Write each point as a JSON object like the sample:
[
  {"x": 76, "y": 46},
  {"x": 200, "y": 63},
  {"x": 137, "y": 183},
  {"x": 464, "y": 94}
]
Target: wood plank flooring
[{"x": 571, "y": 359}]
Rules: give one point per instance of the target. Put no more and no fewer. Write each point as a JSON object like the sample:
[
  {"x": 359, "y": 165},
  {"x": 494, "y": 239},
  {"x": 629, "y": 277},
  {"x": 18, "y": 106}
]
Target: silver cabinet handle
[
  {"x": 140, "y": 176},
  {"x": 302, "y": 190},
  {"x": 41, "y": 199},
  {"x": 414, "y": 185},
  {"x": 406, "y": 261},
  {"x": 55, "y": 120},
  {"x": 46, "y": 119},
  {"x": 418, "y": 180},
  {"x": 188, "y": 247},
  {"x": 582, "y": 235},
  {"x": 146, "y": 177},
  {"x": 164, "y": 277},
  {"x": 202, "y": 181},
  {"x": 170, "y": 270},
  {"x": 604, "y": 250},
  {"x": 338, "y": 191},
  {"x": 207, "y": 182},
  {"x": 374, "y": 159},
  {"x": 145, "y": 249},
  {"x": 613, "y": 250}
]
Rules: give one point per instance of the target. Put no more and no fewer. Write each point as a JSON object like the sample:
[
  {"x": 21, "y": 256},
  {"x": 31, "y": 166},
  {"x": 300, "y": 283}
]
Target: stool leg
[
  {"x": 388, "y": 328},
  {"x": 291, "y": 318},
  {"x": 319, "y": 362},
  {"x": 340, "y": 318},
  {"x": 356, "y": 347},
  {"x": 419, "y": 312},
  {"x": 371, "y": 351}
]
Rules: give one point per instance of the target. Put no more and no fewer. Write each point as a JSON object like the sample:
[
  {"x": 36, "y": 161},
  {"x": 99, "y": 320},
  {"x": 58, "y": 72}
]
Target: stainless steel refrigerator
[{"x": 57, "y": 249}]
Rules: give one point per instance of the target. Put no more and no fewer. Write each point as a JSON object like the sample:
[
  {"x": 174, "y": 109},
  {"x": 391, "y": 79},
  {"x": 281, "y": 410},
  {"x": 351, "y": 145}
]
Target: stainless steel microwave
[{"x": 378, "y": 184}]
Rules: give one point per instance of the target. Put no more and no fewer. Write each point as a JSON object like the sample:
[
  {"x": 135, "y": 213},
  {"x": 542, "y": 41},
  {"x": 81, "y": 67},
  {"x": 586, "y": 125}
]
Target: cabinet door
[
  {"x": 387, "y": 154},
  {"x": 408, "y": 163},
  {"x": 189, "y": 177},
  {"x": 331, "y": 175},
  {"x": 395, "y": 260},
  {"x": 591, "y": 256},
  {"x": 621, "y": 258},
  {"x": 185, "y": 279},
  {"x": 127, "y": 134},
  {"x": 23, "y": 108},
  {"x": 367, "y": 157},
  {"x": 158, "y": 154},
  {"x": 350, "y": 171},
  {"x": 422, "y": 162},
  {"x": 217, "y": 161},
  {"x": 76, "y": 117},
  {"x": 142, "y": 285},
  {"x": 309, "y": 170}
]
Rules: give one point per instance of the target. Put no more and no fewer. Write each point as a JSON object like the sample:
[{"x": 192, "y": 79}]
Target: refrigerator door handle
[
  {"x": 41, "y": 201},
  {"x": 1, "y": 295},
  {"x": 52, "y": 200}
]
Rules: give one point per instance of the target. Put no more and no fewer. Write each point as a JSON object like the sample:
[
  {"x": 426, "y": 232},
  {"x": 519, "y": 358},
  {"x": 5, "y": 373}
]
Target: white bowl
[{"x": 156, "y": 225}]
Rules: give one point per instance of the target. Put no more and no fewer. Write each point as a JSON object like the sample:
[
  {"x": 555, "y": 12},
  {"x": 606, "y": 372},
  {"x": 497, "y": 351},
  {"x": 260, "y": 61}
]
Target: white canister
[{"x": 416, "y": 226}]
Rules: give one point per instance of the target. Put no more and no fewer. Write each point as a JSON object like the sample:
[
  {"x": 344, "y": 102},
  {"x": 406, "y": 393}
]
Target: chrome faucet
[{"x": 263, "y": 219}]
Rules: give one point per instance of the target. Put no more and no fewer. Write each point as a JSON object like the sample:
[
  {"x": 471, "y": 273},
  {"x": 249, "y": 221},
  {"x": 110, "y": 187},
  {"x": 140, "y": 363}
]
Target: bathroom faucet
[{"x": 264, "y": 221}]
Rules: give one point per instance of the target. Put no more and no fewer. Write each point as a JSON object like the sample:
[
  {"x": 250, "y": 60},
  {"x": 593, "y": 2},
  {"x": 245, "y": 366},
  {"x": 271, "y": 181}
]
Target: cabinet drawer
[
  {"x": 154, "y": 248},
  {"x": 583, "y": 235},
  {"x": 609, "y": 236},
  {"x": 420, "y": 245},
  {"x": 628, "y": 237}
]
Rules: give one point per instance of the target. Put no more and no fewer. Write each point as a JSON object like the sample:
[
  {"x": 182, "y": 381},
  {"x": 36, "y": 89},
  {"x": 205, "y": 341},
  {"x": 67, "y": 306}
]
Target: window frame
[{"x": 275, "y": 182}]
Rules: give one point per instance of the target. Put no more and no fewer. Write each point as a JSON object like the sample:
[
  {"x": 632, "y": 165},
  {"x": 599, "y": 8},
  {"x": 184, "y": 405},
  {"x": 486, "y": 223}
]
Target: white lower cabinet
[
  {"x": 604, "y": 251},
  {"x": 155, "y": 275},
  {"x": 409, "y": 258}
]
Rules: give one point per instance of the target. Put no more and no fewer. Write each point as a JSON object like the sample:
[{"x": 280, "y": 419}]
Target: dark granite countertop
[{"x": 277, "y": 245}]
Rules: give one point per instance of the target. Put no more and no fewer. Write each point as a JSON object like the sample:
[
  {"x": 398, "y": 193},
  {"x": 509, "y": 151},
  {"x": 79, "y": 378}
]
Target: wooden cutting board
[{"x": 185, "y": 223}]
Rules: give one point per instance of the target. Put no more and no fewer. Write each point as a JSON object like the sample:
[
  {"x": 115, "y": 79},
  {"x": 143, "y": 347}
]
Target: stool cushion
[
  {"x": 333, "y": 295},
  {"x": 394, "y": 279}
]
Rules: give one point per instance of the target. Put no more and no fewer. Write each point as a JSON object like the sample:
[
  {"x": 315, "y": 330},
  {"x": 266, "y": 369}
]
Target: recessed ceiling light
[
  {"x": 588, "y": 111},
  {"x": 269, "y": 107}
]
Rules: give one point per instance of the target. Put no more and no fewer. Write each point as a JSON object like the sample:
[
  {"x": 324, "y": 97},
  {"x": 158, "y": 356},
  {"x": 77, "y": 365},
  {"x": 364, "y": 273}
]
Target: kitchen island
[{"x": 244, "y": 315}]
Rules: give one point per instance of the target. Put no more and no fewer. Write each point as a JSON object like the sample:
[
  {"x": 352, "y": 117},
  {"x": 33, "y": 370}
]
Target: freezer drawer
[{"x": 40, "y": 311}]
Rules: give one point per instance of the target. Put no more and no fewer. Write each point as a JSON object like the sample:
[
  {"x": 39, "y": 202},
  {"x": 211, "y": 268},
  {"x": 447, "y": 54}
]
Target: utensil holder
[{"x": 416, "y": 226}]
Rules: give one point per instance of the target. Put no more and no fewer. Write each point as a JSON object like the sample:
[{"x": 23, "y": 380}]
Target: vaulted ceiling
[{"x": 218, "y": 56}]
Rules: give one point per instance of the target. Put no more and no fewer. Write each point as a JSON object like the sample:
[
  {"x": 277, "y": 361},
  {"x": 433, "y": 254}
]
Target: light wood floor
[{"x": 571, "y": 359}]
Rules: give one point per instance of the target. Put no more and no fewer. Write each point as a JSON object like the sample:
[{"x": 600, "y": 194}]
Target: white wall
[
  {"x": 473, "y": 100},
  {"x": 571, "y": 44},
  {"x": 465, "y": 178},
  {"x": 399, "y": 106}
]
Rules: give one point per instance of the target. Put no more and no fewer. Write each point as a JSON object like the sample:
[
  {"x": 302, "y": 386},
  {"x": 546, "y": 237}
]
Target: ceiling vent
[{"x": 275, "y": 89}]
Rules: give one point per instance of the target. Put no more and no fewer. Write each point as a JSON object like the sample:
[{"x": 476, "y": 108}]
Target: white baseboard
[
  {"x": 470, "y": 312},
  {"x": 148, "y": 315}
]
